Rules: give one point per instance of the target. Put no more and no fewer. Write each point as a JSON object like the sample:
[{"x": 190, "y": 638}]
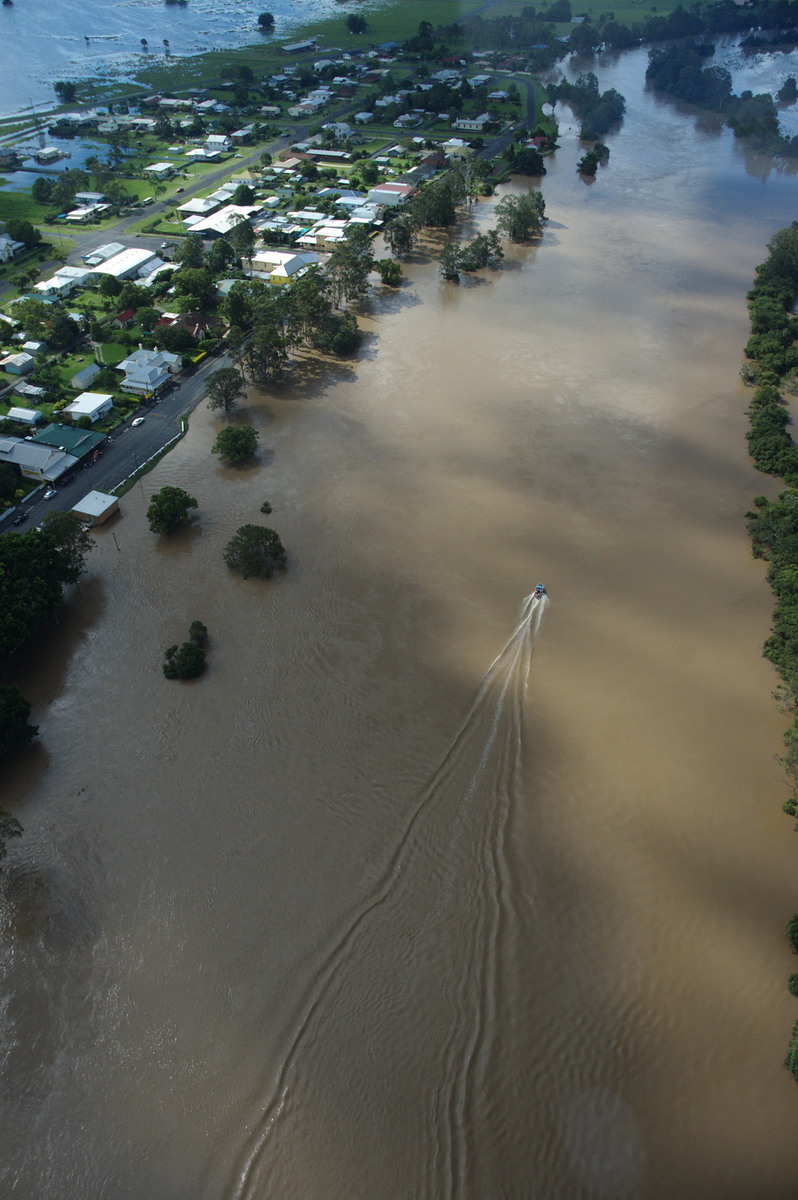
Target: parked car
[
  {"x": 137, "y": 421},
  {"x": 48, "y": 495}
]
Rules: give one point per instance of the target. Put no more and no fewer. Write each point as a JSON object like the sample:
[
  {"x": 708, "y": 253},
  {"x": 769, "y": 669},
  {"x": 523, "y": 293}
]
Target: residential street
[{"x": 127, "y": 450}]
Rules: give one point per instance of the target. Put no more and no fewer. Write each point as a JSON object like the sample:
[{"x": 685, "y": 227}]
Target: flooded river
[{"x": 425, "y": 890}]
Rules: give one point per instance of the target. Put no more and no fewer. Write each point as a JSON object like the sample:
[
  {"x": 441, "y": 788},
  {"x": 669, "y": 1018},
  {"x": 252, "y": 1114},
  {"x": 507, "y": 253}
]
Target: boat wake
[{"x": 448, "y": 868}]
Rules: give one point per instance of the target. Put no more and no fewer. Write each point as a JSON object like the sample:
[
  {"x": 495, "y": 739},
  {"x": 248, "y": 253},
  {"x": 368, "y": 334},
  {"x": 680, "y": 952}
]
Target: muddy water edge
[{"x": 281, "y": 933}]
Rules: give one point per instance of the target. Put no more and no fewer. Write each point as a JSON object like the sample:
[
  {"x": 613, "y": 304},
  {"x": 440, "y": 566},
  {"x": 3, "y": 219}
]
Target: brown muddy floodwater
[{"x": 359, "y": 916}]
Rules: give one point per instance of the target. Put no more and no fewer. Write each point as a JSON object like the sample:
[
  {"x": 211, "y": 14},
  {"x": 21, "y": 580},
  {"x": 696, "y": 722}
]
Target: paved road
[{"x": 128, "y": 448}]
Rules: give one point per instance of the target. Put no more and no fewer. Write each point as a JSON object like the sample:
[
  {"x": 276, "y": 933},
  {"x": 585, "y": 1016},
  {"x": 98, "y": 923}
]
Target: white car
[
  {"x": 48, "y": 495},
  {"x": 138, "y": 421}
]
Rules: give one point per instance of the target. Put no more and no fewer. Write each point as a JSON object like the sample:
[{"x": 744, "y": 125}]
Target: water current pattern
[{"x": 473, "y": 793}]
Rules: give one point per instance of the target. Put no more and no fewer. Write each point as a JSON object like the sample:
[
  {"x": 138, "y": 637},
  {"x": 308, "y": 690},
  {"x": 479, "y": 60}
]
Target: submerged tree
[
  {"x": 234, "y": 444},
  {"x": 169, "y": 508},
  {"x": 521, "y": 217},
  {"x": 187, "y": 661},
  {"x": 224, "y": 389},
  {"x": 255, "y": 550}
]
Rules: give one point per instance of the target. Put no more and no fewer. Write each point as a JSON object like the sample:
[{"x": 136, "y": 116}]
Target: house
[
  {"x": 363, "y": 118},
  {"x": 474, "y": 124},
  {"x": 89, "y": 197},
  {"x": 124, "y": 265},
  {"x": 45, "y": 463},
  {"x": 84, "y": 377},
  {"x": 148, "y": 370},
  {"x": 26, "y": 416},
  {"x": 65, "y": 280},
  {"x": 160, "y": 170},
  {"x": 457, "y": 148},
  {"x": 499, "y": 95},
  {"x": 390, "y": 194},
  {"x": 86, "y": 212},
  {"x": 240, "y": 136},
  {"x": 202, "y": 153},
  {"x": 224, "y": 221},
  {"x": 408, "y": 120},
  {"x": 8, "y": 247},
  {"x": 94, "y": 405},
  {"x": 124, "y": 319},
  {"x": 218, "y": 141},
  {"x": 17, "y": 364},
  {"x": 71, "y": 439},
  {"x": 279, "y": 266},
  {"x": 96, "y": 507},
  {"x": 338, "y": 129},
  {"x": 199, "y": 206},
  {"x": 34, "y": 348},
  {"x": 325, "y": 235},
  {"x": 30, "y": 391},
  {"x": 48, "y": 154},
  {"x": 198, "y": 324},
  {"x": 306, "y": 108}
]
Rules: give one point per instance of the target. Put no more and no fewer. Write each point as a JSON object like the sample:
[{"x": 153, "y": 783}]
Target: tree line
[
  {"x": 679, "y": 71},
  {"x": 773, "y": 525},
  {"x": 34, "y": 570}
]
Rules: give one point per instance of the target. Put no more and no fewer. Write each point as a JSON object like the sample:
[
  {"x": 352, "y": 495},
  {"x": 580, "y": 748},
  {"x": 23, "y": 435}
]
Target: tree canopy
[
  {"x": 169, "y": 508},
  {"x": 224, "y": 389},
  {"x": 34, "y": 569},
  {"x": 235, "y": 443},
  {"x": 521, "y": 217},
  {"x": 70, "y": 541},
  {"x": 14, "y": 728},
  {"x": 255, "y": 550}
]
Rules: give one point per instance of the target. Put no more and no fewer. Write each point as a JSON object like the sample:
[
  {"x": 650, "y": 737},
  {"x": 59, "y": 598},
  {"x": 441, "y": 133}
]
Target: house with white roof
[
  {"x": 160, "y": 170},
  {"x": 339, "y": 129},
  {"x": 148, "y": 370},
  {"x": 25, "y": 416},
  {"x": 389, "y": 194},
  {"x": 472, "y": 124},
  {"x": 65, "y": 280},
  {"x": 280, "y": 266},
  {"x": 199, "y": 206},
  {"x": 96, "y": 507},
  {"x": 224, "y": 221},
  {"x": 218, "y": 141},
  {"x": 93, "y": 405},
  {"x": 203, "y": 154}
]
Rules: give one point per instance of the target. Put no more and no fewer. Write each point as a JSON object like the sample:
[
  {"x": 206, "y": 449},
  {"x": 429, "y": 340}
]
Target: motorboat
[{"x": 539, "y": 591}]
